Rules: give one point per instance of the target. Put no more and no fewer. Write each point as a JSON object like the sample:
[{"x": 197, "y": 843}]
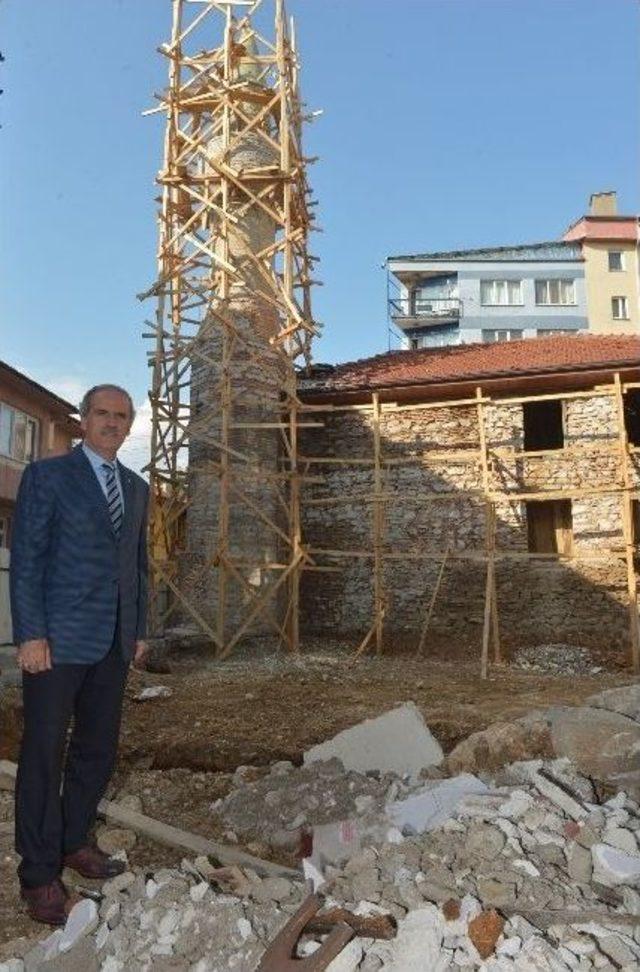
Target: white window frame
[
  {"x": 496, "y": 286},
  {"x": 620, "y": 303},
  {"x": 619, "y": 253},
  {"x": 508, "y": 334},
  {"x": 31, "y": 431},
  {"x": 547, "y": 284}
]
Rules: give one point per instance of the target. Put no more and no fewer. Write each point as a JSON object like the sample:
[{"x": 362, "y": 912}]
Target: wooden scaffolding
[{"x": 233, "y": 321}]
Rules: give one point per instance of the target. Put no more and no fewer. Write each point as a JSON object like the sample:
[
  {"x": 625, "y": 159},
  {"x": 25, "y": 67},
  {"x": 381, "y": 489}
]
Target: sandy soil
[{"x": 178, "y": 753}]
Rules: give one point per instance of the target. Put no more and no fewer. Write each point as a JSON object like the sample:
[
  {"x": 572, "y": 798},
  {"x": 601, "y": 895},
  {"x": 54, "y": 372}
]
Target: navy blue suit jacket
[{"x": 72, "y": 578}]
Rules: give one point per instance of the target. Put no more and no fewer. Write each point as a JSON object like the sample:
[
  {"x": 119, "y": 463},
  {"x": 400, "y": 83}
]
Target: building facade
[
  {"x": 588, "y": 281},
  {"x": 499, "y": 294},
  {"x": 34, "y": 424},
  {"x": 433, "y": 472},
  {"x": 609, "y": 245}
]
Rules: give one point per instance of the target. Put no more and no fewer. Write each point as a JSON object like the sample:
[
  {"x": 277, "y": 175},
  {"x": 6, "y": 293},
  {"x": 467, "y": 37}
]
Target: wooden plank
[
  {"x": 626, "y": 503},
  {"x": 432, "y": 604},
  {"x": 378, "y": 516}
]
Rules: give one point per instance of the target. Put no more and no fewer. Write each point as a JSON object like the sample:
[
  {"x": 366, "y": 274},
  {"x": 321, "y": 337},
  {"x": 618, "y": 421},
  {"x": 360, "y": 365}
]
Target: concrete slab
[
  {"x": 398, "y": 741},
  {"x": 434, "y": 804}
]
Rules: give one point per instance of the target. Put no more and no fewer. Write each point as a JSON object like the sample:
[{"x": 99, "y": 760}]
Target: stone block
[{"x": 398, "y": 741}]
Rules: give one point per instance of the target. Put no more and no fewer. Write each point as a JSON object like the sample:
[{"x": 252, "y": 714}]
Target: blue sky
[{"x": 447, "y": 123}]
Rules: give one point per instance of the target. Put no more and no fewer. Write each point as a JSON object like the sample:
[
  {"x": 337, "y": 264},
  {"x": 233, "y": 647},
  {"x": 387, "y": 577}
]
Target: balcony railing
[{"x": 432, "y": 310}]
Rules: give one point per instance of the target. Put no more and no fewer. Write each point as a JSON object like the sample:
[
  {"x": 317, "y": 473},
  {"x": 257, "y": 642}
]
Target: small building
[
  {"x": 487, "y": 493},
  {"x": 34, "y": 424}
]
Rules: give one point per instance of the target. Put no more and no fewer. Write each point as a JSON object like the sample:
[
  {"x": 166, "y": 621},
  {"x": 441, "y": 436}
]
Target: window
[
  {"x": 18, "y": 434},
  {"x": 555, "y": 292},
  {"x": 550, "y": 526},
  {"x": 543, "y": 425},
  {"x": 414, "y": 343},
  {"x": 500, "y": 292},
  {"x": 632, "y": 415},
  {"x": 549, "y": 331},
  {"x": 4, "y": 531},
  {"x": 501, "y": 334},
  {"x": 616, "y": 260},
  {"x": 620, "y": 308}
]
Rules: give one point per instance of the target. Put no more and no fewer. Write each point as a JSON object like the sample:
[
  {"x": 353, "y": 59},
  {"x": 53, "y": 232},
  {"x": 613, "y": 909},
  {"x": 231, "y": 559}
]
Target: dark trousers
[{"x": 49, "y": 824}]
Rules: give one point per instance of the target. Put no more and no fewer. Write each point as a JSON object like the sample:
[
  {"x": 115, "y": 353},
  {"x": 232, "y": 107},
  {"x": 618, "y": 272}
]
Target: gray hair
[{"x": 85, "y": 405}]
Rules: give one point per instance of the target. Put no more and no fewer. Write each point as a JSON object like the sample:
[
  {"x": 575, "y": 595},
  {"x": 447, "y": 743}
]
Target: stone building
[{"x": 431, "y": 463}]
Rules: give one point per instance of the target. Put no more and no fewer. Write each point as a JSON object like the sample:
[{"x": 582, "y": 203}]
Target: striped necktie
[{"x": 113, "y": 497}]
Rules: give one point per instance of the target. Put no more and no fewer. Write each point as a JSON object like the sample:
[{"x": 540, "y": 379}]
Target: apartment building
[
  {"x": 588, "y": 281},
  {"x": 34, "y": 423},
  {"x": 609, "y": 247}
]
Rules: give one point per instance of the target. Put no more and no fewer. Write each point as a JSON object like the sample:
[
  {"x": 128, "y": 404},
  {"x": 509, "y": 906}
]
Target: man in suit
[{"x": 78, "y": 599}]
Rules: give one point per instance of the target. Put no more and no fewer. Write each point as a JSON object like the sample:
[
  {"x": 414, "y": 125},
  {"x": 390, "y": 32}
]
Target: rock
[
  {"x": 131, "y": 801},
  {"x": 12, "y": 965},
  {"x": 348, "y": 960},
  {"x": 198, "y": 891},
  {"x": 82, "y": 920},
  {"x": 484, "y": 931},
  {"x": 579, "y": 864},
  {"x": 8, "y": 772},
  {"x": 272, "y": 889},
  {"x": 558, "y": 796},
  {"x": 417, "y": 944},
  {"x": 118, "y": 883},
  {"x": 451, "y": 909},
  {"x": 500, "y": 894},
  {"x": 153, "y": 692},
  {"x": 624, "y": 700},
  {"x": 398, "y": 741},
  {"x": 621, "y": 838},
  {"x": 600, "y": 743},
  {"x": 612, "y": 867},
  {"x": 500, "y": 744},
  {"x": 110, "y": 840},
  {"x": 484, "y": 841}
]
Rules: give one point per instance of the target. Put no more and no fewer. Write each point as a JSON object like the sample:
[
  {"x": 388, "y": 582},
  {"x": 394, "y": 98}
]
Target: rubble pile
[
  {"x": 556, "y": 659},
  {"x": 524, "y": 873},
  {"x": 524, "y": 868}
]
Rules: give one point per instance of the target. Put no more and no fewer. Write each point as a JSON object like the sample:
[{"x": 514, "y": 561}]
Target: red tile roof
[{"x": 465, "y": 362}]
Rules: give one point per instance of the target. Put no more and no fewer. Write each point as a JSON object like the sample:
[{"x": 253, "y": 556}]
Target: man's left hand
[{"x": 139, "y": 654}]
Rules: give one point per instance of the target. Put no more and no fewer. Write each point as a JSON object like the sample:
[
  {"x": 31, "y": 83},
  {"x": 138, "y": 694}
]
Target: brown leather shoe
[
  {"x": 47, "y": 903},
  {"x": 91, "y": 862}
]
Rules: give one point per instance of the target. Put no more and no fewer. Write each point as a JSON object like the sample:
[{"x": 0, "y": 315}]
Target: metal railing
[{"x": 435, "y": 309}]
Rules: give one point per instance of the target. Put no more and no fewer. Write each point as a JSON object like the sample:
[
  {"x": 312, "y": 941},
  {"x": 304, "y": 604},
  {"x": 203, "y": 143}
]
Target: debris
[
  {"x": 382, "y": 926},
  {"x": 82, "y": 920},
  {"x": 398, "y": 741},
  {"x": 612, "y": 867},
  {"x": 194, "y": 843},
  {"x": 485, "y": 930},
  {"x": 8, "y": 772},
  {"x": 153, "y": 692},
  {"x": 417, "y": 946},
  {"x": 279, "y": 955},
  {"x": 436, "y": 802},
  {"x": 110, "y": 840}
]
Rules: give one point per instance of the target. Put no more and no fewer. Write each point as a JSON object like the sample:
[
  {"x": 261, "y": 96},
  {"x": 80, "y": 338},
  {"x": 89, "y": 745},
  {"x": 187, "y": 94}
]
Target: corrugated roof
[
  {"x": 466, "y": 362},
  {"x": 493, "y": 252}
]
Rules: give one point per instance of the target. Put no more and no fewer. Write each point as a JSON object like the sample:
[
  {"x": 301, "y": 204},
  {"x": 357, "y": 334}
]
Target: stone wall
[{"x": 539, "y": 600}]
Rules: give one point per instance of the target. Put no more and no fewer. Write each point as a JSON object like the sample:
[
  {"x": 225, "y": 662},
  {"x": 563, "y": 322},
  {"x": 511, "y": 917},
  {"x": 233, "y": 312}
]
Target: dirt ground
[{"x": 177, "y": 753}]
